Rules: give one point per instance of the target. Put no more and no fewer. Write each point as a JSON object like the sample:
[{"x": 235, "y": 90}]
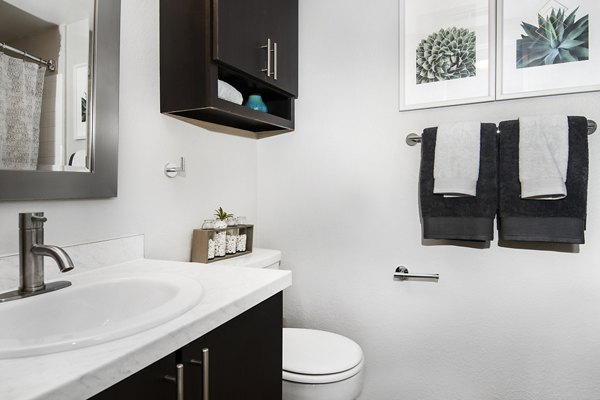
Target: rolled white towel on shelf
[
  {"x": 456, "y": 161},
  {"x": 543, "y": 156},
  {"x": 227, "y": 92}
]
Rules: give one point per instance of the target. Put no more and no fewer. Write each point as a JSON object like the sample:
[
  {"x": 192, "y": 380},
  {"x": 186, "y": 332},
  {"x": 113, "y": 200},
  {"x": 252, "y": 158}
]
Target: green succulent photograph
[
  {"x": 445, "y": 55},
  {"x": 556, "y": 39}
]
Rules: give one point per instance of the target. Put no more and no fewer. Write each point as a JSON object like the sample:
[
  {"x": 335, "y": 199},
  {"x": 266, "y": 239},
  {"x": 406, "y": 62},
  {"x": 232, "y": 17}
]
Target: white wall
[
  {"x": 221, "y": 169},
  {"x": 339, "y": 198}
]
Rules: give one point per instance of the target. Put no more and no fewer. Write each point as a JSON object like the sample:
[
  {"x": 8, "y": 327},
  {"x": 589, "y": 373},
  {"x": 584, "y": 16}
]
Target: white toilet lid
[{"x": 314, "y": 352}]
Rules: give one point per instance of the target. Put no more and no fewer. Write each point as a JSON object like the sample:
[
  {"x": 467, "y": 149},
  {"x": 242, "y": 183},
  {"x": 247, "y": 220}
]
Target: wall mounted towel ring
[{"x": 413, "y": 139}]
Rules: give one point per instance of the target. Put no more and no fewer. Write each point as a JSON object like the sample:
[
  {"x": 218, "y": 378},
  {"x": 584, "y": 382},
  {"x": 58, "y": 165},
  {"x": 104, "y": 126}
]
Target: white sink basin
[{"x": 92, "y": 311}]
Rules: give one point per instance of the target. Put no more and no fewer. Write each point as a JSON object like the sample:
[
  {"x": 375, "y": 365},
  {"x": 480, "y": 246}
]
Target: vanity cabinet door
[
  {"x": 241, "y": 33},
  {"x": 147, "y": 384},
  {"x": 244, "y": 357}
]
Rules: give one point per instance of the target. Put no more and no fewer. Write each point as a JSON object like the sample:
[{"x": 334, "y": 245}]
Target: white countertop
[{"x": 82, "y": 373}]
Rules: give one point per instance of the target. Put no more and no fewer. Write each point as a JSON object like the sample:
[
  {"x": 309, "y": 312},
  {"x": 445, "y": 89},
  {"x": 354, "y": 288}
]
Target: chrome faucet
[{"x": 32, "y": 251}]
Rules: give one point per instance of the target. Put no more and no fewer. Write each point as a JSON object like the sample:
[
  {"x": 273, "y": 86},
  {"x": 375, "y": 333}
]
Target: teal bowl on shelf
[{"x": 256, "y": 102}]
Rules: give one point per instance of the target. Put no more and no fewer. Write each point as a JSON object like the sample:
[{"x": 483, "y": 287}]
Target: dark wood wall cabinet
[
  {"x": 241, "y": 359},
  {"x": 250, "y": 44}
]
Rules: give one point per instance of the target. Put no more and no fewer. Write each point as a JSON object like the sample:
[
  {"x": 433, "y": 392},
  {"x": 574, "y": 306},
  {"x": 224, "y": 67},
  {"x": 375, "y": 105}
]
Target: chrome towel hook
[{"x": 172, "y": 170}]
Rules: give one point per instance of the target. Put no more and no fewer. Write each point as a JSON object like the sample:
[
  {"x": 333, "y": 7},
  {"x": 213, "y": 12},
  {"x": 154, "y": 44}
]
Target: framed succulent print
[
  {"x": 447, "y": 52},
  {"x": 547, "y": 47}
]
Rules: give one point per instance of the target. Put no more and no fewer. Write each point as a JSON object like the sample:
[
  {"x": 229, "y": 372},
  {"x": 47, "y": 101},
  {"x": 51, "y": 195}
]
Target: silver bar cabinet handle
[
  {"x": 178, "y": 380},
  {"x": 205, "y": 369},
  {"x": 403, "y": 274},
  {"x": 268, "y": 47},
  {"x": 275, "y": 57}
]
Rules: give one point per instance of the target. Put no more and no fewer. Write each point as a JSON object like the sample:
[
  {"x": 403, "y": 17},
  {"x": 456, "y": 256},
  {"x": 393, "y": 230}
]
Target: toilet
[{"x": 317, "y": 365}]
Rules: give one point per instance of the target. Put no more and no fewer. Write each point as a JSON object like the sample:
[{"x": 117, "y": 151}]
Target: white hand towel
[
  {"x": 543, "y": 156},
  {"x": 227, "y": 92},
  {"x": 456, "y": 162}
]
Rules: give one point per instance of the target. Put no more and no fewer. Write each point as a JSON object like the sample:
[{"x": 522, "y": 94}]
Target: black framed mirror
[{"x": 96, "y": 177}]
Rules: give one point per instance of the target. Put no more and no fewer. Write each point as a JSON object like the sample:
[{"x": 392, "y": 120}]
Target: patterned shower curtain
[{"x": 21, "y": 89}]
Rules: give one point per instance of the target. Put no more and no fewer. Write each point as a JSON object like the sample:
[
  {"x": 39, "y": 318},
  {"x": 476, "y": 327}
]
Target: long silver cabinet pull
[
  {"x": 178, "y": 380},
  {"x": 275, "y": 58},
  {"x": 269, "y": 62},
  {"x": 205, "y": 369}
]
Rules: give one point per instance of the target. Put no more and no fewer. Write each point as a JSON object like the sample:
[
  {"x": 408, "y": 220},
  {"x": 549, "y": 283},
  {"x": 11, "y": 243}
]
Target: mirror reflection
[{"x": 45, "y": 84}]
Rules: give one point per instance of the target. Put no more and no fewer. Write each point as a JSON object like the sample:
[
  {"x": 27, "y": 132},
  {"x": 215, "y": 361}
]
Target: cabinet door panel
[
  {"x": 282, "y": 28},
  {"x": 238, "y": 34},
  {"x": 147, "y": 384},
  {"x": 244, "y": 356}
]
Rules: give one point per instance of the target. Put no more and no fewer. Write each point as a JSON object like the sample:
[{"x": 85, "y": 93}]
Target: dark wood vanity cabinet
[
  {"x": 150, "y": 383},
  {"x": 250, "y": 44},
  {"x": 244, "y": 354},
  {"x": 241, "y": 359}
]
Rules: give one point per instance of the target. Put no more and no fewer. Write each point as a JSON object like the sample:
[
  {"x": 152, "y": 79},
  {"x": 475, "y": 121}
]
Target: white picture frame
[
  {"x": 419, "y": 19},
  {"x": 517, "y": 78},
  {"x": 80, "y": 101}
]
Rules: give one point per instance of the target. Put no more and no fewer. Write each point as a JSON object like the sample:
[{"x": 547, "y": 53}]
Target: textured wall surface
[
  {"x": 339, "y": 198},
  {"x": 221, "y": 169}
]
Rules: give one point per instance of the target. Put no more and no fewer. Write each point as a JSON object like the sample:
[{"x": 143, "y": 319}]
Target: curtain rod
[
  {"x": 413, "y": 139},
  {"x": 51, "y": 64}
]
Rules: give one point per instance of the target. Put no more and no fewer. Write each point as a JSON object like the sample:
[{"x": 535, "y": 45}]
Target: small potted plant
[
  {"x": 221, "y": 236},
  {"x": 227, "y": 240},
  {"x": 222, "y": 215}
]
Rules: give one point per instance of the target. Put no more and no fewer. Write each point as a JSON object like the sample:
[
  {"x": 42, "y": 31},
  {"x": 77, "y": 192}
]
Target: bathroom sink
[{"x": 93, "y": 310}]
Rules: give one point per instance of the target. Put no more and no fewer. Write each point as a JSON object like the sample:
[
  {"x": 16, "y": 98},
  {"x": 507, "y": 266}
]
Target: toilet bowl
[
  {"x": 320, "y": 365},
  {"x": 317, "y": 365}
]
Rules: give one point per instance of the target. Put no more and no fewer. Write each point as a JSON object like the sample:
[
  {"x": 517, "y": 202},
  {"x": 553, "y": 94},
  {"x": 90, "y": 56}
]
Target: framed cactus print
[
  {"x": 547, "y": 47},
  {"x": 447, "y": 52}
]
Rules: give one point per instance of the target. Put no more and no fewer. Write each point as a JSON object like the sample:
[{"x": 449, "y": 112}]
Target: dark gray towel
[
  {"x": 460, "y": 218},
  {"x": 559, "y": 221}
]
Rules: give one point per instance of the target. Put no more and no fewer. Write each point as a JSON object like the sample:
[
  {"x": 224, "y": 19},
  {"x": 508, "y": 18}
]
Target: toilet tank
[{"x": 259, "y": 258}]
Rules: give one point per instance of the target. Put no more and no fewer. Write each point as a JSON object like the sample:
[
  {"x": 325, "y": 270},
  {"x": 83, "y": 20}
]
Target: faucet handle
[
  {"x": 33, "y": 220},
  {"x": 37, "y": 218}
]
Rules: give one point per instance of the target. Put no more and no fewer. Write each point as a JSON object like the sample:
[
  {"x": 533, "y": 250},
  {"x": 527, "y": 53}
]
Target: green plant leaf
[
  {"x": 582, "y": 22},
  {"x": 566, "y": 56},
  {"x": 549, "y": 59},
  {"x": 582, "y": 53},
  {"x": 560, "y": 31},
  {"x": 571, "y": 18},
  {"x": 574, "y": 34},
  {"x": 569, "y": 44},
  {"x": 541, "y": 20},
  {"x": 549, "y": 31},
  {"x": 531, "y": 31}
]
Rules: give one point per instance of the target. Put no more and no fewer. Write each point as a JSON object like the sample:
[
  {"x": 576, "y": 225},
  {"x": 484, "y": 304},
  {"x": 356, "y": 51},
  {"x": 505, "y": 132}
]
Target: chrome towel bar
[
  {"x": 413, "y": 139},
  {"x": 403, "y": 274}
]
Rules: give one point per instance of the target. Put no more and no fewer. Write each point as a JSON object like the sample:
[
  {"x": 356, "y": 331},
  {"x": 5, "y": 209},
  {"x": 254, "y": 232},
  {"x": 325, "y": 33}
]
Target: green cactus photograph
[
  {"x": 445, "y": 55},
  {"x": 555, "y": 39}
]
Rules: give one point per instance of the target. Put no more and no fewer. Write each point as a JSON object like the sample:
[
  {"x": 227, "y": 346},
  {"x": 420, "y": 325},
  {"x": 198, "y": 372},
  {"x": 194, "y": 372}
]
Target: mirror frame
[{"x": 101, "y": 182}]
